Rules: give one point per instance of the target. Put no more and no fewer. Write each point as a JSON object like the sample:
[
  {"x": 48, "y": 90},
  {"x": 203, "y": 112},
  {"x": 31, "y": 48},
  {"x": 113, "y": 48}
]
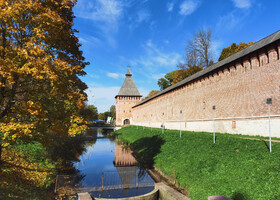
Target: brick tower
[{"x": 127, "y": 97}]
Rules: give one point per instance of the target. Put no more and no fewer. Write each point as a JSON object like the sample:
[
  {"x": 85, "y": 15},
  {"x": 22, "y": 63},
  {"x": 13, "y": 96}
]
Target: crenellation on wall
[
  {"x": 232, "y": 70},
  {"x": 210, "y": 80},
  {"x": 263, "y": 58},
  {"x": 272, "y": 53},
  {"x": 278, "y": 50},
  {"x": 226, "y": 71},
  {"x": 255, "y": 61},
  {"x": 203, "y": 81},
  {"x": 246, "y": 64},
  {"x": 221, "y": 74},
  {"x": 239, "y": 68},
  {"x": 194, "y": 84}
]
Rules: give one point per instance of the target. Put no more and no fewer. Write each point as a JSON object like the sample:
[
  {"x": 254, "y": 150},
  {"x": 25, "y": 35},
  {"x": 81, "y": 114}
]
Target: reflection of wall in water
[
  {"x": 124, "y": 157},
  {"x": 126, "y": 165}
]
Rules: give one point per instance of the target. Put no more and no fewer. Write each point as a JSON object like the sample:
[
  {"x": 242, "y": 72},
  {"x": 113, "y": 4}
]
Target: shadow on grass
[
  {"x": 239, "y": 196},
  {"x": 266, "y": 145},
  {"x": 145, "y": 150}
]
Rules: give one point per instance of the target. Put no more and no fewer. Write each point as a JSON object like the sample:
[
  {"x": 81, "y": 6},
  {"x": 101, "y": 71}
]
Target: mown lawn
[{"x": 234, "y": 167}]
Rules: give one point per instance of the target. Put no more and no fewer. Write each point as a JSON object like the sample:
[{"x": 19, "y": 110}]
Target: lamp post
[
  {"x": 180, "y": 123},
  {"x": 269, "y": 102},
  {"x": 214, "y": 139},
  {"x": 162, "y": 126},
  {"x": 151, "y": 122},
  {"x": 142, "y": 123}
]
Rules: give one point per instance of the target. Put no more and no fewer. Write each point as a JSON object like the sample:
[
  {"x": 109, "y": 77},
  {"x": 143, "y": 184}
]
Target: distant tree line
[{"x": 90, "y": 113}]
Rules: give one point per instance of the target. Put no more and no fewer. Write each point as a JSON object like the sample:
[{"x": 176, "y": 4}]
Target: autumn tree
[
  {"x": 40, "y": 65},
  {"x": 176, "y": 76},
  {"x": 166, "y": 81},
  {"x": 198, "y": 49},
  {"x": 151, "y": 93},
  {"x": 184, "y": 72},
  {"x": 233, "y": 48}
]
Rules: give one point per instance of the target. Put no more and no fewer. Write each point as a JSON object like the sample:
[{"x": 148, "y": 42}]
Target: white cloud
[
  {"x": 158, "y": 76},
  {"x": 115, "y": 75},
  {"x": 188, "y": 7},
  {"x": 166, "y": 41},
  {"x": 170, "y": 7},
  {"x": 230, "y": 21},
  {"x": 94, "y": 76},
  {"x": 144, "y": 92},
  {"x": 107, "y": 11},
  {"x": 143, "y": 16},
  {"x": 136, "y": 20},
  {"x": 89, "y": 40},
  {"x": 154, "y": 58},
  {"x": 149, "y": 43},
  {"x": 242, "y": 3},
  {"x": 216, "y": 48}
]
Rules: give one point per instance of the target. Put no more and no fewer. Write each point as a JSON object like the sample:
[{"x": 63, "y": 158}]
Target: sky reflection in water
[{"x": 118, "y": 166}]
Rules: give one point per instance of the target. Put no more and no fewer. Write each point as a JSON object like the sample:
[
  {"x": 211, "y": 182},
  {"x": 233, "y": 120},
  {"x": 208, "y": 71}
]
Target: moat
[{"x": 106, "y": 169}]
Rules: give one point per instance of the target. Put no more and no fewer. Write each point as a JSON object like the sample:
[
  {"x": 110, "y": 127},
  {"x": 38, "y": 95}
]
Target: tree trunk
[{"x": 0, "y": 153}]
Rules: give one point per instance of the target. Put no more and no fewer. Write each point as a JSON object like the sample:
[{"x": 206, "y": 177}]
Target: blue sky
[{"x": 151, "y": 35}]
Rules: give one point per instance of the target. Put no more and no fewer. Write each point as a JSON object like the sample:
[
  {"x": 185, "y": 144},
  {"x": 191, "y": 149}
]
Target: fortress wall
[{"x": 238, "y": 90}]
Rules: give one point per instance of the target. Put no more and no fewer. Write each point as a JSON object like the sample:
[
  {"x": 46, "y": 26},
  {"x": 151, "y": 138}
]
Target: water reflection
[
  {"x": 123, "y": 156},
  {"x": 108, "y": 170}
]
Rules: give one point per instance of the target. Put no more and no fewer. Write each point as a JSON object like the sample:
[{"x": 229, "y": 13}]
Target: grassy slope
[{"x": 234, "y": 167}]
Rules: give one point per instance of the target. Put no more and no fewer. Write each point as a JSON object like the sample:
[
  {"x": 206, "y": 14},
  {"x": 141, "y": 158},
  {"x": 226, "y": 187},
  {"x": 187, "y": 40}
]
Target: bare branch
[{"x": 198, "y": 49}]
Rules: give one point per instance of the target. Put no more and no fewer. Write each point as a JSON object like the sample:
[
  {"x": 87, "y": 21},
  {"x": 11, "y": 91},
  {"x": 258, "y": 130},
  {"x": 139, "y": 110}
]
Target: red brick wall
[{"x": 238, "y": 89}]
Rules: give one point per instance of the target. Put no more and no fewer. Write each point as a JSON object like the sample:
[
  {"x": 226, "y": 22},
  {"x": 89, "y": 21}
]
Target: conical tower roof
[
  {"x": 127, "y": 175},
  {"x": 128, "y": 87}
]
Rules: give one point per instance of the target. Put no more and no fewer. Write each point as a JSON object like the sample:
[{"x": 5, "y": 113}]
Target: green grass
[{"x": 237, "y": 168}]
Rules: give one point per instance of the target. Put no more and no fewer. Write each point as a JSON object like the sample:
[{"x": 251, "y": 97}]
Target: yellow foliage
[
  {"x": 13, "y": 130},
  {"x": 19, "y": 171},
  {"x": 40, "y": 68}
]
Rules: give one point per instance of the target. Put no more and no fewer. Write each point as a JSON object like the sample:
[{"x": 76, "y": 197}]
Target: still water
[{"x": 107, "y": 169}]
